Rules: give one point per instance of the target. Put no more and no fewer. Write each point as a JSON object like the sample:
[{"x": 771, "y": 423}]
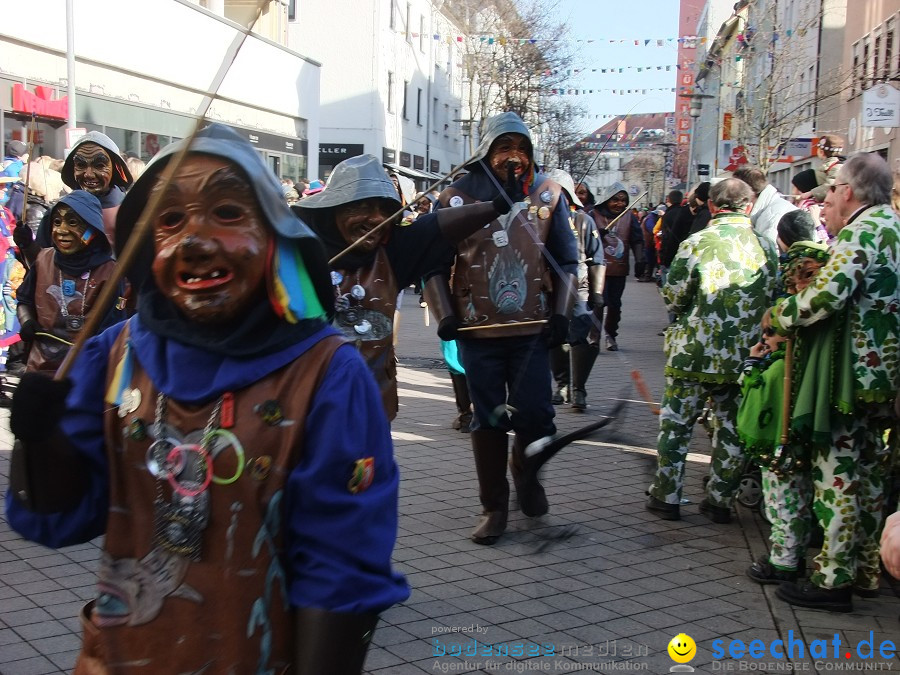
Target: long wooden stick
[
  {"x": 390, "y": 219},
  {"x": 502, "y": 325},
  {"x": 151, "y": 209},
  {"x": 625, "y": 210},
  {"x": 788, "y": 382}
]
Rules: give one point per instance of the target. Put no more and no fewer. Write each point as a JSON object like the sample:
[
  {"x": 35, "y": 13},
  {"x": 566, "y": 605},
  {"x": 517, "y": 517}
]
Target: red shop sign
[{"x": 40, "y": 102}]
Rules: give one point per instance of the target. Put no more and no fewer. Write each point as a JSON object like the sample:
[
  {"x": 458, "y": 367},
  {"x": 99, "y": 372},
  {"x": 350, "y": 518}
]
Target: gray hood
[
  {"x": 353, "y": 180},
  {"x": 220, "y": 141},
  {"x": 121, "y": 176},
  {"x": 496, "y": 126},
  {"x": 609, "y": 192}
]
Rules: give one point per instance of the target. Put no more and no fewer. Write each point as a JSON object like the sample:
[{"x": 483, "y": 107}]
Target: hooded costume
[
  {"x": 366, "y": 284},
  {"x": 219, "y": 463},
  {"x": 577, "y": 360},
  {"x": 624, "y": 234},
  {"x": 509, "y": 280},
  {"x": 59, "y": 290},
  {"x": 119, "y": 183}
]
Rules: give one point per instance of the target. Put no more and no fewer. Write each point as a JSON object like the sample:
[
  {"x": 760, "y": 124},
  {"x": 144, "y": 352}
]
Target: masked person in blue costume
[
  {"x": 367, "y": 279},
  {"x": 508, "y": 303},
  {"x": 248, "y": 527}
]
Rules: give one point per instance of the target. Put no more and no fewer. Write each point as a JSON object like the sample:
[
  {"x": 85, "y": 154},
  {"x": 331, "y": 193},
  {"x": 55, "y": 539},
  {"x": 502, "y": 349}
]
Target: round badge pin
[
  {"x": 456, "y": 200},
  {"x": 546, "y": 196},
  {"x": 543, "y": 213},
  {"x": 358, "y": 292},
  {"x": 336, "y": 278}
]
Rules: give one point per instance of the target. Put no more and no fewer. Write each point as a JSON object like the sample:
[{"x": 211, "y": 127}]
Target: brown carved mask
[
  {"x": 67, "y": 230},
  {"x": 211, "y": 241},
  {"x": 93, "y": 168}
]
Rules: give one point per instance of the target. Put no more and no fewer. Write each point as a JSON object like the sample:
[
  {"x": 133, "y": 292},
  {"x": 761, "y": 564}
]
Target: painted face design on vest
[
  {"x": 67, "y": 230},
  {"x": 93, "y": 168},
  {"x": 510, "y": 148},
  {"x": 211, "y": 241},
  {"x": 356, "y": 219},
  {"x": 506, "y": 281}
]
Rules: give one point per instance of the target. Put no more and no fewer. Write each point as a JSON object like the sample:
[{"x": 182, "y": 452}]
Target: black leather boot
[
  {"x": 463, "y": 403},
  {"x": 331, "y": 643},
  {"x": 490, "y": 448},
  {"x": 559, "y": 366},
  {"x": 583, "y": 357},
  {"x": 529, "y": 492}
]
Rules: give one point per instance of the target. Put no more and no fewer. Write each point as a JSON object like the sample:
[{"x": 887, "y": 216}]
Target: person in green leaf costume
[
  {"x": 860, "y": 280},
  {"x": 718, "y": 286}
]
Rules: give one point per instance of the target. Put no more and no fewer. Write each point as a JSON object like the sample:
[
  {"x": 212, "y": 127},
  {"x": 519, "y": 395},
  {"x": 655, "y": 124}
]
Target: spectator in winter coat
[{"x": 768, "y": 206}]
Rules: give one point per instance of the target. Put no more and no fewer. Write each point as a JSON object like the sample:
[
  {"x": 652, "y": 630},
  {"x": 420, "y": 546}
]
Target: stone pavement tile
[
  {"x": 60, "y": 643},
  {"x": 37, "y": 665},
  {"x": 377, "y": 658},
  {"x": 16, "y": 651},
  {"x": 37, "y": 631},
  {"x": 24, "y": 617},
  {"x": 65, "y": 610}
]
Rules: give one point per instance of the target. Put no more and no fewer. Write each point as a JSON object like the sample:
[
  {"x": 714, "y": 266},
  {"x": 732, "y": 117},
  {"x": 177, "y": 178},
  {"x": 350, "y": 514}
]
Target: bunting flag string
[
  {"x": 615, "y": 92},
  {"x": 621, "y": 69},
  {"x": 688, "y": 41}
]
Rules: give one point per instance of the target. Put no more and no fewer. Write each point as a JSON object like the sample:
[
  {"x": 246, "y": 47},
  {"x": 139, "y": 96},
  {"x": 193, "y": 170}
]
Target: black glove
[
  {"x": 447, "y": 328},
  {"x": 38, "y": 406},
  {"x": 512, "y": 191},
  {"x": 556, "y": 331},
  {"x": 28, "y": 329},
  {"x": 22, "y": 235}
]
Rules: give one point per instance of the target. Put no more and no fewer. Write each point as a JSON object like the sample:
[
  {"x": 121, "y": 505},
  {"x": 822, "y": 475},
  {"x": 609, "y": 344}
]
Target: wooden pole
[
  {"x": 788, "y": 381},
  {"x": 502, "y": 325},
  {"x": 151, "y": 209}
]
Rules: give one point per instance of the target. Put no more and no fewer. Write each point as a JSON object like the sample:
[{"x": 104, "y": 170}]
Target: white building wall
[{"x": 267, "y": 87}]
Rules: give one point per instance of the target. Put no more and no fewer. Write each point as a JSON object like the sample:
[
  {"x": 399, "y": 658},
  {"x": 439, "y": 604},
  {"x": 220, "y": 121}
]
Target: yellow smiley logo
[{"x": 682, "y": 648}]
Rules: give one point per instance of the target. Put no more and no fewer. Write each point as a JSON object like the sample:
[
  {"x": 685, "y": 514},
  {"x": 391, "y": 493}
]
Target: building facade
[
  {"x": 143, "y": 88},
  {"x": 391, "y": 83}
]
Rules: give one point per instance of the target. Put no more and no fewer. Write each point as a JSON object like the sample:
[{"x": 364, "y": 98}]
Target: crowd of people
[{"x": 258, "y": 309}]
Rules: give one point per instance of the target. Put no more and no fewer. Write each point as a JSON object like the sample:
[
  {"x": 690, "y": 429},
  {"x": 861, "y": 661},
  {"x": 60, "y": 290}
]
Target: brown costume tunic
[
  {"x": 500, "y": 277},
  {"x": 376, "y": 345},
  {"x": 226, "y": 612},
  {"x": 46, "y": 353}
]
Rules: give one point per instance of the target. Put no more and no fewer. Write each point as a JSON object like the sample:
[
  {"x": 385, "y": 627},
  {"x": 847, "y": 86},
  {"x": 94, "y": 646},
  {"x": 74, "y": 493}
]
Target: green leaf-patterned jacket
[
  {"x": 718, "y": 286},
  {"x": 862, "y": 274}
]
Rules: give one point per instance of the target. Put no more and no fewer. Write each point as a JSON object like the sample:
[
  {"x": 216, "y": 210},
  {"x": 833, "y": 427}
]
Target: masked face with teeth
[
  {"x": 356, "y": 219},
  {"x": 210, "y": 241},
  {"x": 93, "y": 168}
]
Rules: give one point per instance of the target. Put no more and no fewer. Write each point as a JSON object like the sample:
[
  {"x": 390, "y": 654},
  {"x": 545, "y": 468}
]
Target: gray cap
[
  {"x": 353, "y": 180},
  {"x": 566, "y": 183},
  {"x": 15, "y": 148},
  {"x": 496, "y": 126}
]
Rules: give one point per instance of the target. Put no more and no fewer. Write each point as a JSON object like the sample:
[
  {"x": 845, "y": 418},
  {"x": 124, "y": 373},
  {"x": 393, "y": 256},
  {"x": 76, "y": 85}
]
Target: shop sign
[
  {"x": 334, "y": 153},
  {"x": 39, "y": 103},
  {"x": 405, "y": 159},
  {"x": 388, "y": 156},
  {"x": 881, "y": 106},
  {"x": 434, "y": 166},
  {"x": 418, "y": 162}
]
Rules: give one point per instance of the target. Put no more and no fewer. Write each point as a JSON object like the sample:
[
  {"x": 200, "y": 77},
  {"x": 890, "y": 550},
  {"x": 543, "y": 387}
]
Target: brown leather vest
[
  {"x": 46, "y": 353},
  {"x": 160, "y": 612},
  {"x": 616, "y": 244},
  {"x": 500, "y": 277},
  {"x": 109, "y": 224},
  {"x": 376, "y": 345}
]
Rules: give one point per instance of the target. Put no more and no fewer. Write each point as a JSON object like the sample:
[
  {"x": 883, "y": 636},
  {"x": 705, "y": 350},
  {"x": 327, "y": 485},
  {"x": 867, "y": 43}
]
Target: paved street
[{"x": 597, "y": 585}]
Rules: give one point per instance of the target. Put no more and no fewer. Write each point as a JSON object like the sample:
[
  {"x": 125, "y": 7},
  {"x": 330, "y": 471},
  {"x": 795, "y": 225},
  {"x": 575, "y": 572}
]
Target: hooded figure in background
[
  {"x": 620, "y": 232},
  {"x": 93, "y": 165},
  {"x": 509, "y": 303},
  {"x": 572, "y": 362},
  {"x": 60, "y": 288},
  {"x": 367, "y": 279},
  {"x": 207, "y": 437}
]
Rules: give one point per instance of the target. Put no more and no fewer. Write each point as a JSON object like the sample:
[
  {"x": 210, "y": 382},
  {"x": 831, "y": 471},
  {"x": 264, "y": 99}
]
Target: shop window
[{"x": 390, "y": 92}]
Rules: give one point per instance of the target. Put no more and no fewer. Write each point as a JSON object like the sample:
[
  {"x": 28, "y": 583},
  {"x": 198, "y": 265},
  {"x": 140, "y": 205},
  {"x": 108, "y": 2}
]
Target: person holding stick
[
  {"x": 248, "y": 527},
  {"x": 620, "y": 232},
  {"x": 509, "y": 303},
  {"x": 357, "y": 210}
]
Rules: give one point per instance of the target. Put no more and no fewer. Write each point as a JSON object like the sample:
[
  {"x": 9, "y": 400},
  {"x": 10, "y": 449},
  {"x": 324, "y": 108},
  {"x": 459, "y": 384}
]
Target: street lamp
[
  {"x": 666, "y": 172},
  {"x": 465, "y": 128},
  {"x": 695, "y": 109}
]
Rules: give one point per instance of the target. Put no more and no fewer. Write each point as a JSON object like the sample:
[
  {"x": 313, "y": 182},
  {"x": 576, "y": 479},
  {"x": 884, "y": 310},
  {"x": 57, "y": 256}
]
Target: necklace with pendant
[{"x": 74, "y": 323}]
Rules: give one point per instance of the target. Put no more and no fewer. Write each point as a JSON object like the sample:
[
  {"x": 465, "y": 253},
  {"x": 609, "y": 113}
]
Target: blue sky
[{"x": 629, "y": 20}]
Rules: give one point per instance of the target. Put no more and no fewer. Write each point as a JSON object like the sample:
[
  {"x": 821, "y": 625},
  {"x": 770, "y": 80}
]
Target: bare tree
[
  {"x": 514, "y": 56},
  {"x": 784, "y": 85}
]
